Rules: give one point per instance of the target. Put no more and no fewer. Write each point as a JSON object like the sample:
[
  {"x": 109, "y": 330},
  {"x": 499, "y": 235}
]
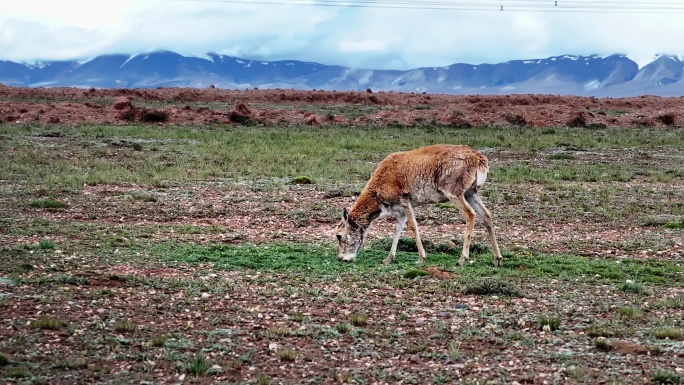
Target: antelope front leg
[
  {"x": 401, "y": 222},
  {"x": 414, "y": 226}
]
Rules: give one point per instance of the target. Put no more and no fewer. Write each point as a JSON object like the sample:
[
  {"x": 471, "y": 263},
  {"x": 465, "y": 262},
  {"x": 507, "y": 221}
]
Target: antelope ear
[{"x": 345, "y": 215}]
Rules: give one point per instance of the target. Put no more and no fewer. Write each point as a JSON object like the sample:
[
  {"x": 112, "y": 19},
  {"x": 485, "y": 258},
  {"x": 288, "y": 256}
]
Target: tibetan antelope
[{"x": 404, "y": 180}]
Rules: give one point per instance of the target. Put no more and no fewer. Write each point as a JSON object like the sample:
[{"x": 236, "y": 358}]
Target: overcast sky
[{"x": 367, "y": 37}]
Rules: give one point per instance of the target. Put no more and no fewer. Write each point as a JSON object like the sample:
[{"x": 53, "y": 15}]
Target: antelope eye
[{"x": 339, "y": 237}]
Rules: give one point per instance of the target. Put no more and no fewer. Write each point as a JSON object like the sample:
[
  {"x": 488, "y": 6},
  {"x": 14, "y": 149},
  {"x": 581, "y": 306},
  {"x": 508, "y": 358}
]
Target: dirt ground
[
  {"x": 212, "y": 105},
  {"x": 132, "y": 319}
]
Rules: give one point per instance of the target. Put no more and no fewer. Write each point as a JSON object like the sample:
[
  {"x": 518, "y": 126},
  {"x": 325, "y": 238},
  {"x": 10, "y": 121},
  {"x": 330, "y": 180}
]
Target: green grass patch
[
  {"x": 45, "y": 244},
  {"x": 199, "y": 365},
  {"x": 48, "y": 323},
  {"x": 633, "y": 287},
  {"x": 278, "y": 155},
  {"x": 492, "y": 286},
  {"x": 629, "y": 312},
  {"x": 124, "y": 326},
  {"x": 302, "y": 180},
  {"x": 158, "y": 340},
  {"x": 674, "y": 225},
  {"x": 415, "y": 273},
  {"x": 262, "y": 379},
  {"x": 614, "y": 113},
  {"x": 608, "y": 330},
  {"x": 18, "y": 373},
  {"x": 666, "y": 377},
  {"x": 321, "y": 259},
  {"x": 48, "y": 203},
  {"x": 671, "y": 333},
  {"x": 550, "y": 322},
  {"x": 674, "y": 302},
  {"x": 287, "y": 354},
  {"x": 358, "y": 320},
  {"x": 344, "y": 327}
]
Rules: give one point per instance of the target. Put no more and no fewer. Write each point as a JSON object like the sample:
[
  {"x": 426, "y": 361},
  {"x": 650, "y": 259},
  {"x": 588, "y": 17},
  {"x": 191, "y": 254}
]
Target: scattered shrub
[
  {"x": 674, "y": 225},
  {"x": 18, "y": 373},
  {"x": 668, "y": 333},
  {"x": 198, "y": 365},
  {"x": 124, "y": 326},
  {"x": 287, "y": 354},
  {"x": 158, "y": 341},
  {"x": 602, "y": 343},
  {"x": 262, "y": 379},
  {"x": 665, "y": 377},
  {"x": 302, "y": 180},
  {"x": 48, "y": 203},
  {"x": 344, "y": 327},
  {"x": 46, "y": 244},
  {"x": 552, "y": 322},
  {"x": 48, "y": 323},
  {"x": 493, "y": 286},
  {"x": 415, "y": 273},
  {"x": 633, "y": 287},
  {"x": 358, "y": 320}
]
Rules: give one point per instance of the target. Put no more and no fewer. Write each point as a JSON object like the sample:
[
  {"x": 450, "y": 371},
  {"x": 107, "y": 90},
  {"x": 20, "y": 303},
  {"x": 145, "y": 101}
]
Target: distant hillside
[{"x": 615, "y": 75}]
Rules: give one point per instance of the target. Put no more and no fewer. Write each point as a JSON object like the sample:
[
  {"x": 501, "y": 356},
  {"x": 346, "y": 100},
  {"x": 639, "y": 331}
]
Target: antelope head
[{"x": 350, "y": 237}]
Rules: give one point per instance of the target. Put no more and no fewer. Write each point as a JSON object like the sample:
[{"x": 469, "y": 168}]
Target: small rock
[
  {"x": 578, "y": 121},
  {"x": 122, "y": 103},
  {"x": 444, "y": 314},
  {"x": 461, "y": 306},
  {"x": 240, "y": 108}
]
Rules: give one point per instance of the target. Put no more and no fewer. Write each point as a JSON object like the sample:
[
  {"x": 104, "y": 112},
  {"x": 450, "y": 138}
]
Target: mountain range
[{"x": 610, "y": 76}]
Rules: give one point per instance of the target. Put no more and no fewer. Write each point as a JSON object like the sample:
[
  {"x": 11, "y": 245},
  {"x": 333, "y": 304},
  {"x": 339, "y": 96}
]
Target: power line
[{"x": 574, "y": 6}]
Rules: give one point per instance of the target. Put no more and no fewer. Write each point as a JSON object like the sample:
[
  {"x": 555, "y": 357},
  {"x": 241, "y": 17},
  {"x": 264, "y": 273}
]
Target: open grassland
[{"x": 204, "y": 254}]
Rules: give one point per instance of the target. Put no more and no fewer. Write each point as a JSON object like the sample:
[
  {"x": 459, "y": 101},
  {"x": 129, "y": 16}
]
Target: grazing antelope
[{"x": 403, "y": 180}]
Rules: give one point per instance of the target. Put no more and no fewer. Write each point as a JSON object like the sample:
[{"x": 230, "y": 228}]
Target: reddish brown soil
[{"x": 186, "y": 105}]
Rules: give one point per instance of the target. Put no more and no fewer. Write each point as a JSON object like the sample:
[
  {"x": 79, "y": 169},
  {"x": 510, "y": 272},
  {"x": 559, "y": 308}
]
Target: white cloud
[
  {"x": 366, "y": 45},
  {"x": 356, "y": 37}
]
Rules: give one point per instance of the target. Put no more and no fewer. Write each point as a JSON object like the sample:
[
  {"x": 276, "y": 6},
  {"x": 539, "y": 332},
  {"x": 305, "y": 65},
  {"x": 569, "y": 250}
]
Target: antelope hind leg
[
  {"x": 476, "y": 203},
  {"x": 414, "y": 226}
]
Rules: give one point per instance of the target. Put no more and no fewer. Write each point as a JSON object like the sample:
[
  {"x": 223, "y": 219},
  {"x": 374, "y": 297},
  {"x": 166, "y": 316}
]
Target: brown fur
[{"x": 430, "y": 174}]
